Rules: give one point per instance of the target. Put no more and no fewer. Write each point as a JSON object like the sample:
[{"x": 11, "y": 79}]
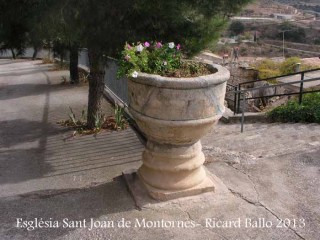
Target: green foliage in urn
[{"x": 155, "y": 58}]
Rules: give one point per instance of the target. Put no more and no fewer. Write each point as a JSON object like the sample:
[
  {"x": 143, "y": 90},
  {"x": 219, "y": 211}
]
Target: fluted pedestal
[{"x": 170, "y": 171}]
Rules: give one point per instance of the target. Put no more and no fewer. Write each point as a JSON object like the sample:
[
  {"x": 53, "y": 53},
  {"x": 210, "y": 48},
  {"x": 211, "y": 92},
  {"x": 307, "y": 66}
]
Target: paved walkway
[
  {"x": 307, "y": 76},
  {"x": 271, "y": 172}
]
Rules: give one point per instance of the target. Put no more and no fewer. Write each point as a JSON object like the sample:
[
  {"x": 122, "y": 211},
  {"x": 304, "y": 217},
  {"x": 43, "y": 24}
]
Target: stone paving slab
[
  {"x": 36, "y": 153},
  {"x": 271, "y": 172}
]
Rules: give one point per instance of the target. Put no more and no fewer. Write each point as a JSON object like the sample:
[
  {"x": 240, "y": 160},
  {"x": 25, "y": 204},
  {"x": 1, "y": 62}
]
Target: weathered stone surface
[
  {"x": 179, "y": 99},
  {"x": 144, "y": 195},
  {"x": 174, "y": 113}
]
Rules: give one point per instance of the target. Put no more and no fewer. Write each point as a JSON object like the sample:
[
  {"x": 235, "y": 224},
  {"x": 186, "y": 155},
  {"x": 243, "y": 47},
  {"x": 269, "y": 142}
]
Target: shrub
[
  {"x": 247, "y": 36},
  {"x": 47, "y": 60},
  {"x": 267, "y": 69},
  {"x": 305, "y": 67},
  {"x": 288, "y": 66},
  {"x": 307, "y": 111},
  {"x": 295, "y": 34},
  {"x": 243, "y": 51},
  {"x": 268, "y": 73},
  {"x": 236, "y": 28}
]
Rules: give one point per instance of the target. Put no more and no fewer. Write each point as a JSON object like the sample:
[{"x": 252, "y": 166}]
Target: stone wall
[{"x": 241, "y": 73}]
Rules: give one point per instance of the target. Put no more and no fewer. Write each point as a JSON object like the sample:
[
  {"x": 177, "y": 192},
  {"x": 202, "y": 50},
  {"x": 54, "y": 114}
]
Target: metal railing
[
  {"x": 117, "y": 87},
  {"x": 242, "y": 93},
  {"x": 236, "y": 89}
]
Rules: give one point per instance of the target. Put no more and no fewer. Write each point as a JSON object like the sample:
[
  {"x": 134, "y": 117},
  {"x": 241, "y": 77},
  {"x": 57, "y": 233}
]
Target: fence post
[
  {"x": 238, "y": 102},
  {"x": 235, "y": 100},
  {"x": 243, "y": 109},
  {"x": 301, "y": 88}
]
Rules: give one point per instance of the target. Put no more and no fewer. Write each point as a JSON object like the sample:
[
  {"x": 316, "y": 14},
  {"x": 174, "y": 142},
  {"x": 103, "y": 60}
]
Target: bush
[
  {"x": 305, "y": 67},
  {"x": 236, "y": 28},
  {"x": 288, "y": 66},
  {"x": 243, "y": 51},
  {"x": 268, "y": 68},
  {"x": 308, "y": 111},
  {"x": 47, "y": 60},
  {"x": 295, "y": 34}
]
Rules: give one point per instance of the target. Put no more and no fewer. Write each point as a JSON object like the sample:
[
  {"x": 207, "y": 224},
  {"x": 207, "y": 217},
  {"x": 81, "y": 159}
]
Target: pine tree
[
  {"x": 103, "y": 26},
  {"x": 107, "y": 25}
]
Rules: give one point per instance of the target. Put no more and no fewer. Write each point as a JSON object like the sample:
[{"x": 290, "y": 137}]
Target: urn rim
[{"x": 220, "y": 76}]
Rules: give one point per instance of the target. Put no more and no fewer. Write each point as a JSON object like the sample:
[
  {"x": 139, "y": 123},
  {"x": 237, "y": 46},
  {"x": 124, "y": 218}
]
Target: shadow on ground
[
  {"x": 48, "y": 151},
  {"x": 32, "y": 149},
  {"x": 8, "y": 92},
  {"x": 17, "y": 131},
  {"x": 73, "y": 204},
  {"x": 29, "y": 70}
]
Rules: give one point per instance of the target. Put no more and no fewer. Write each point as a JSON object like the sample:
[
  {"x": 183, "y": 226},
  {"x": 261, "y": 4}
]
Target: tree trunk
[
  {"x": 96, "y": 84},
  {"x": 49, "y": 52},
  {"x": 35, "y": 53},
  {"x": 61, "y": 60},
  {"x": 13, "y": 53},
  {"x": 73, "y": 67}
]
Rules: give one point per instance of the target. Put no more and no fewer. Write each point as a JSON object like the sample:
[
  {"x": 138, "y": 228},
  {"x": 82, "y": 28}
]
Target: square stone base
[{"x": 141, "y": 191}]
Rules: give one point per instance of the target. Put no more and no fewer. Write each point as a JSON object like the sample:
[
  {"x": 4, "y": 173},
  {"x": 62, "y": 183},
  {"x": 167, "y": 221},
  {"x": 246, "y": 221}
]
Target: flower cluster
[{"x": 154, "y": 58}]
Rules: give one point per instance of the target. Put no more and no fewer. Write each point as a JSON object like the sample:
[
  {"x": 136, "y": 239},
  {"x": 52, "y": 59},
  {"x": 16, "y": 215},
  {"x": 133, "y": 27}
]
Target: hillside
[{"x": 266, "y": 8}]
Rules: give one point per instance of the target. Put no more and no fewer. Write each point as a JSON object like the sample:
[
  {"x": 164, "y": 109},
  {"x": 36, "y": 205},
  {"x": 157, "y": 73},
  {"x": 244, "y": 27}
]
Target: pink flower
[
  {"x": 146, "y": 44},
  {"x": 128, "y": 46},
  {"x": 159, "y": 45},
  {"x": 127, "y": 57},
  {"x": 178, "y": 46}
]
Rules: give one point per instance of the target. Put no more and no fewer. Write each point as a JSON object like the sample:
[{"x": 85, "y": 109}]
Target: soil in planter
[{"x": 190, "y": 69}]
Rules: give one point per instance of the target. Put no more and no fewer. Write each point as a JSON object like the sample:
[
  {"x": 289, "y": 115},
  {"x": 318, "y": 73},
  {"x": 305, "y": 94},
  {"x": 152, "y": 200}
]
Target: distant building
[
  {"x": 280, "y": 16},
  {"x": 224, "y": 41},
  {"x": 254, "y": 19}
]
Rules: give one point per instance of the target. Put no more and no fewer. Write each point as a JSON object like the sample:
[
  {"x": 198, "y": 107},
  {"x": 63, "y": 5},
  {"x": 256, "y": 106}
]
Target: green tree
[
  {"x": 107, "y": 25},
  {"x": 65, "y": 32},
  {"x": 294, "y": 33},
  {"x": 14, "y": 25},
  {"x": 38, "y": 31},
  {"x": 236, "y": 28},
  {"x": 22, "y": 24},
  {"x": 104, "y": 27}
]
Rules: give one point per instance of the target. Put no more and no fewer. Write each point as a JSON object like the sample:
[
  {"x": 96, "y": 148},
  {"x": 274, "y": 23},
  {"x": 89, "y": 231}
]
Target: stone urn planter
[{"x": 174, "y": 113}]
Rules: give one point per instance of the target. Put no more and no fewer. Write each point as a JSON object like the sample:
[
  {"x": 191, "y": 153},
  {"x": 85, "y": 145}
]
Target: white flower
[
  {"x": 165, "y": 63},
  {"x": 171, "y": 44},
  {"x": 134, "y": 74},
  {"x": 139, "y": 48}
]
